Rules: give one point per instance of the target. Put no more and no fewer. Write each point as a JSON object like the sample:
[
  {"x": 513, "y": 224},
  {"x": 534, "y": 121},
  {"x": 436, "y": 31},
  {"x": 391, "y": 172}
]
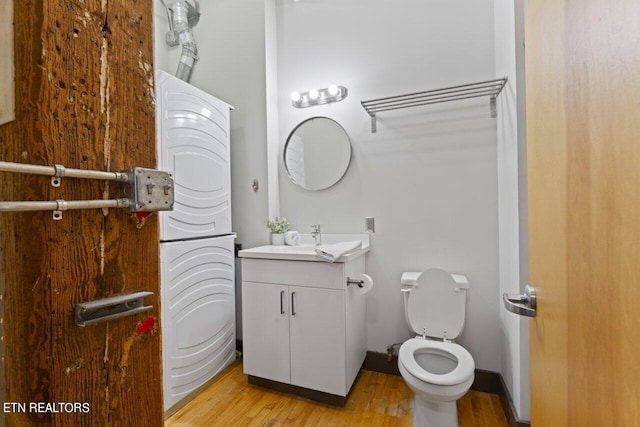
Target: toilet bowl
[{"x": 437, "y": 370}]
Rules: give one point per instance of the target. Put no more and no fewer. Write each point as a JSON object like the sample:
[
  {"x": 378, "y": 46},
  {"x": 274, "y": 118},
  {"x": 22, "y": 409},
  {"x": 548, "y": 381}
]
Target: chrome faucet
[{"x": 316, "y": 234}]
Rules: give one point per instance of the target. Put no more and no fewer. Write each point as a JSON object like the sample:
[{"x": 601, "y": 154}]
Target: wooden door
[
  {"x": 583, "y": 136},
  {"x": 84, "y": 99}
]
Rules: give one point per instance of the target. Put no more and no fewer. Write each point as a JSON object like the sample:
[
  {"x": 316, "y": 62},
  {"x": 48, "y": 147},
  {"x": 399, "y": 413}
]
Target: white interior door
[
  {"x": 194, "y": 145},
  {"x": 198, "y": 313}
]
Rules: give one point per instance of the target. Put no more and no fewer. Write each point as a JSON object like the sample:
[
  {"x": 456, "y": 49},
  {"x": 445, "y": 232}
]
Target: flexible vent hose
[{"x": 189, "y": 49}]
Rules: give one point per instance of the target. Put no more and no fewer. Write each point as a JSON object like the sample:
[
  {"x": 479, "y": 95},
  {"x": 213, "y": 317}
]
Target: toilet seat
[
  {"x": 436, "y": 304},
  {"x": 463, "y": 370}
]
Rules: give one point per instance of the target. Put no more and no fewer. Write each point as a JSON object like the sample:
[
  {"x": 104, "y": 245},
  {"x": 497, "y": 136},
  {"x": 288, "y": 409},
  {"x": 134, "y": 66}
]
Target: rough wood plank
[
  {"x": 132, "y": 255},
  {"x": 83, "y": 101}
]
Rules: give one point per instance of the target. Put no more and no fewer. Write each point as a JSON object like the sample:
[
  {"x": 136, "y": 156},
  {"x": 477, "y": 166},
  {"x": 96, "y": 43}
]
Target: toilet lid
[
  {"x": 436, "y": 306},
  {"x": 463, "y": 371}
]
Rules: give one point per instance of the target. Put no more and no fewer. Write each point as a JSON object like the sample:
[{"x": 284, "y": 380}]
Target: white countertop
[{"x": 306, "y": 251}]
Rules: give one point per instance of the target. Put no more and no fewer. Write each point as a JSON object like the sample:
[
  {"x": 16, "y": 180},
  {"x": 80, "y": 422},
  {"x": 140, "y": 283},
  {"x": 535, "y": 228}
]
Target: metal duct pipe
[{"x": 184, "y": 17}]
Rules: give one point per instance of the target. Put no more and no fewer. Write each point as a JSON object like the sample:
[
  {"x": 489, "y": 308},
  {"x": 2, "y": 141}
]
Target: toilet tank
[{"x": 435, "y": 302}]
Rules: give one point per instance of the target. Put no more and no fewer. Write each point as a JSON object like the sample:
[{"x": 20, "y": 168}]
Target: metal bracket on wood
[
  {"x": 149, "y": 190},
  {"x": 59, "y": 172},
  {"x": 62, "y": 206},
  {"x": 145, "y": 190},
  {"x": 88, "y": 313}
]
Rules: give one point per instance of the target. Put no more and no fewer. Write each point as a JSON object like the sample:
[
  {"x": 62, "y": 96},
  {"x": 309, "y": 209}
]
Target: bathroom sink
[{"x": 306, "y": 251}]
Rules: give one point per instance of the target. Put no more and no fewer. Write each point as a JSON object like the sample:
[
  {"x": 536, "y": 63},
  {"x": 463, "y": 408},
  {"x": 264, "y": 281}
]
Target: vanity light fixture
[{"x": 332, "y": 93}]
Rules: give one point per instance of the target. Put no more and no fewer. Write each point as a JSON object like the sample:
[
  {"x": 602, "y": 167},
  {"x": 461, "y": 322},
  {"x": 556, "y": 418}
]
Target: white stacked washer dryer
[{"x": 196, "y": 241}]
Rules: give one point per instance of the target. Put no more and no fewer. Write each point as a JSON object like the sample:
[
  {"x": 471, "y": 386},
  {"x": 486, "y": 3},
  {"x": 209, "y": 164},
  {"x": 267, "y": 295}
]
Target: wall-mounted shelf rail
[
  {"x": 145, "y": 190},
  {"x": 490, "y": 88}
]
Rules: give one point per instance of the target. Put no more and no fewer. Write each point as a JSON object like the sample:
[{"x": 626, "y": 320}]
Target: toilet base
[{"x": 434, "y": 414}]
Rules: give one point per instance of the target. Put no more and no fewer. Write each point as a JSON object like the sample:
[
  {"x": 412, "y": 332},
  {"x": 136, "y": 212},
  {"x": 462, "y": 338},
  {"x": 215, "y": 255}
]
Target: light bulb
[
  {"x": 314, "y": 94},
  {"x": 333, "y": 90},
  {"x": 296, "y": 97}
]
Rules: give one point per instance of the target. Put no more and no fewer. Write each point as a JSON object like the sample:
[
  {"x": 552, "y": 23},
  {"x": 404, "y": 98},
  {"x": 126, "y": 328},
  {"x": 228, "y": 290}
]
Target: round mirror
[{"x": 317, "y": 153}]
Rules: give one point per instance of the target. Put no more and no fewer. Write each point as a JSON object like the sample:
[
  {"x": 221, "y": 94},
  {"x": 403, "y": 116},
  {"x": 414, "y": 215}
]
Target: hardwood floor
[{"x": 376, "y": 400}]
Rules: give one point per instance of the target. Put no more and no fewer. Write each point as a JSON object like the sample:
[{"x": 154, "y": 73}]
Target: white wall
[
  {"x": 273, "y": 128},
  {"x": 231, "y": 46},
  {"x": 429, "y": 176},
  {"x": 509, "y": 39},
  {"x": 7, "y": 89}
]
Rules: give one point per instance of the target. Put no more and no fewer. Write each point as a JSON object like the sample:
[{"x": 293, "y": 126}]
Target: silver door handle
[
  {"x": 522, "y": 304},
  {"x": 281, "y": 302},
  {"x": 293, "y": 307}
]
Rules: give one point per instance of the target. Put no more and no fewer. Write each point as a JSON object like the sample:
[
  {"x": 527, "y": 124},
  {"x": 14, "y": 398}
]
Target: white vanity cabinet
[{"x": 302, "y": 325}]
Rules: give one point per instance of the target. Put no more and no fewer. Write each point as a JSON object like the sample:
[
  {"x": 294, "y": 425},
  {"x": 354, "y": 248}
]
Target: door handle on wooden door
[{"x": 522, "y": 304}]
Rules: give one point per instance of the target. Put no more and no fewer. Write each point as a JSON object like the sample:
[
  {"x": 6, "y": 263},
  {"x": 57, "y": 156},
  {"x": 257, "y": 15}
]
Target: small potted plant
[{"x": 278, "y": 226}]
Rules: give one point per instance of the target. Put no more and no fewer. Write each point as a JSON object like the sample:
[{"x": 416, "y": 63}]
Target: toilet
[{"x": 438, "y": 370}]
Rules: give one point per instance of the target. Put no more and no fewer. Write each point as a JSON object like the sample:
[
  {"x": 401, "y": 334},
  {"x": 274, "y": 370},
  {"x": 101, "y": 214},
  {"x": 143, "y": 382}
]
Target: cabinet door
[
  {"x": 317, "y": 336},
  {"x": 265, "y": 331}
]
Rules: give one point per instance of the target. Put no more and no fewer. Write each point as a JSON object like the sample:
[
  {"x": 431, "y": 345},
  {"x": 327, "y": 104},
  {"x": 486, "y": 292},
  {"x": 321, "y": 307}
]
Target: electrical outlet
[{"x": 370, "y": 224}]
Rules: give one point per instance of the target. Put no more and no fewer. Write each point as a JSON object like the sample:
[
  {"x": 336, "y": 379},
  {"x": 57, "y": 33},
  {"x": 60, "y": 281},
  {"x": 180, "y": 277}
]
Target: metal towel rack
[{"x": 489, "y": 88}]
